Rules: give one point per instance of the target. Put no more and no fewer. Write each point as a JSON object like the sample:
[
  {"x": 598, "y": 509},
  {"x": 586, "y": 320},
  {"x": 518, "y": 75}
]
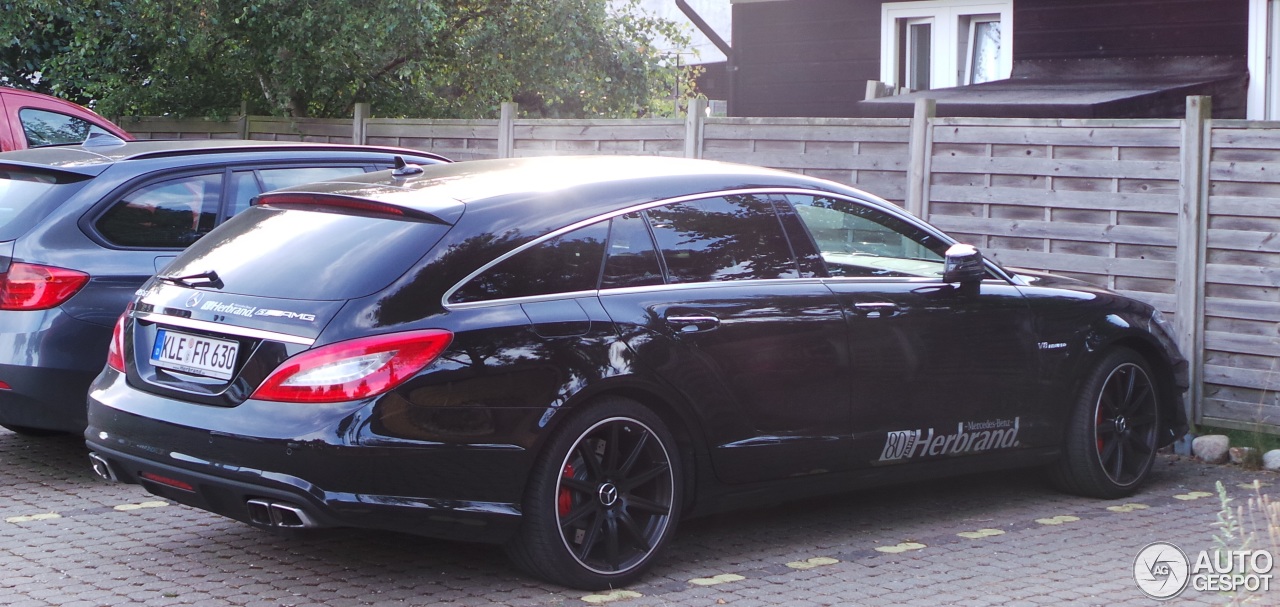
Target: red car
[{"x": 32, "y": 120}]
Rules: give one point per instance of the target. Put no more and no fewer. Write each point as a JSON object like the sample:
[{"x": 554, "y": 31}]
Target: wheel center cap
[
  {"x": 1121, "y": 426},
  {"x": 608, "y": 494}
]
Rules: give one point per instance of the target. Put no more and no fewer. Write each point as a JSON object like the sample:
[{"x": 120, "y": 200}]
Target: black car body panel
[
  {"x": 49, "y": 357},
  {"x": 781, "y": 372}
]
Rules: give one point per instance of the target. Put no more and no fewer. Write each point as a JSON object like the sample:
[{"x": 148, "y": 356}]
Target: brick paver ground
[{"x": 69, "y": 539}]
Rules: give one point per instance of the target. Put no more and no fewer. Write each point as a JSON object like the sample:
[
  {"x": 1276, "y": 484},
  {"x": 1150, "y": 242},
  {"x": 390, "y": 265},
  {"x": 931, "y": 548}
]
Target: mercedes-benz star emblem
[{"x": 608, "y": 494}]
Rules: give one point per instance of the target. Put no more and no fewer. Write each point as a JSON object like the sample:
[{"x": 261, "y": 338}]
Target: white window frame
[
  {"x": 952, "y": 25},
  {"x": 1264, "y": 60}
]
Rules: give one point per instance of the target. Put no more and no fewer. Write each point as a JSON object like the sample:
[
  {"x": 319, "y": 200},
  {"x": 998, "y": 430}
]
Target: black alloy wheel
[
  {"x": 1114, "y": 431},
  {"x": 1125, "y": 424},
  {"x": 604, "y": 500}
]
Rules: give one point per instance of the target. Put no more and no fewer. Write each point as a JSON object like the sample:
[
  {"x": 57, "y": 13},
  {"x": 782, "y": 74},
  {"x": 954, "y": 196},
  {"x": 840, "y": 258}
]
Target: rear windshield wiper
[{"x": 203, "y": 279}]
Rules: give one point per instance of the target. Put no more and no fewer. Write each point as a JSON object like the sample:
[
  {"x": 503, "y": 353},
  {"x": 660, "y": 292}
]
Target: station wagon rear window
[
  {"x": 26, "y": 196},
  {"x": 325, "y": 255}
]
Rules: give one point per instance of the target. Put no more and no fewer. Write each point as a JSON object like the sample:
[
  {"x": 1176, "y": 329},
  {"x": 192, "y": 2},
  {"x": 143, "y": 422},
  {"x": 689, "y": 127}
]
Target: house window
[
  {"x": 917, "y": 56},
  {"x": 1264, "y": 60},
  {"x": 942, "y": 43}
]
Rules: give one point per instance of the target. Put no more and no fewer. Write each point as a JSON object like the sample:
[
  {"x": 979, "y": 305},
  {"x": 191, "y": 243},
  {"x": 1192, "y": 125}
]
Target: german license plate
[{"x": 194, "y": 354}]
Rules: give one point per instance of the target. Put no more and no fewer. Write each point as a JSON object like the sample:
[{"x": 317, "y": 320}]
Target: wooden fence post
[
  {"x": 362, "y": 111},
  {"x": 920, "y": 149},
  {"x": 507, "y": 129},
  {"x": 1193, "y": 212},
  {"x": 693, "y": 123}
]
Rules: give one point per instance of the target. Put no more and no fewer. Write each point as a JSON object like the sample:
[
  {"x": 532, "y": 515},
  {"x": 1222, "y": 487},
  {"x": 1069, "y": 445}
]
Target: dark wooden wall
[
  {"x": 814, "y": 57},
  {"x": 804, "y": 57},
  {"x": 1080, "y": 29}
]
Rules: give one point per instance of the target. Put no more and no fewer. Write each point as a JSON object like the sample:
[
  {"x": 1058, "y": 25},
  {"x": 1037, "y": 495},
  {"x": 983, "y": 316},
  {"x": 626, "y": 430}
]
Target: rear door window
[
  {"x": 170, "y": 214},
  {"x": 43, "y": 127},
  {"x": 725, "y": 238},
  {"x": 633, "y": 260}
]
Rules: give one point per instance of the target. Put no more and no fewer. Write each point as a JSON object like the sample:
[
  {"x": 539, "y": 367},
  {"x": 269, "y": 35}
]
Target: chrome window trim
[
  {"x": 204, "y": 325},
  {"x": 489, "y": 303},
  {"x": 869, "y": 200},
  {"x": 682, "y": 286}
]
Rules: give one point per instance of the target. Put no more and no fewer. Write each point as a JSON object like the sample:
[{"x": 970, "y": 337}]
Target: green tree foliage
[{"x": 418, "y": 58}]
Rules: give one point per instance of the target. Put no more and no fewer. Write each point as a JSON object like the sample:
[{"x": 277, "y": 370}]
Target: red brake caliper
[
  {"x": 1098, "y": 422},
  {"x": 565, "y": 502}
]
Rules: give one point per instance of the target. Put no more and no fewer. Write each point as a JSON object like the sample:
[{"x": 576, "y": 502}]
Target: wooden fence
[{"x": 1183, "y": 214}]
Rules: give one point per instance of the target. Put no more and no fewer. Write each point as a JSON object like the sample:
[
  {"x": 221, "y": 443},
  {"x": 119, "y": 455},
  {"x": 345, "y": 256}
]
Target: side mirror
[{"x": 964, "y": 264}]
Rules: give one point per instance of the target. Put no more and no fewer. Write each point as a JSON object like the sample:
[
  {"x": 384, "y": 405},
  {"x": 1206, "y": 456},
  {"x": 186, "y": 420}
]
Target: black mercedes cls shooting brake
[{"x": 569, "y": 355}]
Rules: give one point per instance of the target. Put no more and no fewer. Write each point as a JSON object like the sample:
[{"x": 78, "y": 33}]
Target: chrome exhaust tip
[
  {"x": 259, "y": 512},
  {"x": 102, "y": 468},
  {"x": 279, "y": 514}
]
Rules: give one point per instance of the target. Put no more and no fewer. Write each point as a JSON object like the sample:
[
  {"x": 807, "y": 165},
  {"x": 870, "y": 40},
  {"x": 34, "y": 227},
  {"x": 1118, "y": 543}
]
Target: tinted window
[
  {"x": 632, "y": 261},
  {"x": 807, "y": 256},
  {"x": 297, "y": 254},
  {"x": 567, "y": 263},
  {"x": 27, "y": 196},
  {"x": 730, "y": 238},
  {"x": 169, "y": 214},
  {"x": 43, "y": 127},
  {"x": 858, "y": 240}
]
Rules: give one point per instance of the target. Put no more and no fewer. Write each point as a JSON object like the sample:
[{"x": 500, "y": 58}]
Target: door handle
[
  {"x": 876, "y": 309},
  {"x": 692, "y": 323}
]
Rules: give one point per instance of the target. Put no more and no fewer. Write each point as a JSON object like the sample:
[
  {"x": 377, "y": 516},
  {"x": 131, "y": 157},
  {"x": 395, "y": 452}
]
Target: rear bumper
[
  {"x": 274, "y": 501},
  {"x": 48, "y": 399},
  {"x": 48, "y": 359},
  {"x": 319, "y": 461}
]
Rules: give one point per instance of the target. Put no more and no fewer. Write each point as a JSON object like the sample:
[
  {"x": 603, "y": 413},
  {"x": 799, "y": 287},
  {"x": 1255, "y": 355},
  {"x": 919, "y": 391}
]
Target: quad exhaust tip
[
  {"x": 102, "y": 468},
  {"x": 279, "y": 514}
]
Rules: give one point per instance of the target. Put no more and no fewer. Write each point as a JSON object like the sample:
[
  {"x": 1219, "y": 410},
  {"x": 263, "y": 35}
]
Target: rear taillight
[
  {"x": 115, "y": 352},
  {"x": 27, "y": 286},
  {"x": 355, "y": 369}
]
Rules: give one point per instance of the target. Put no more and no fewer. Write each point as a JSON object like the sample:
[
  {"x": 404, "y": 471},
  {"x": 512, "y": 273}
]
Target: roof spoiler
[{"x": 61, "y": 174}]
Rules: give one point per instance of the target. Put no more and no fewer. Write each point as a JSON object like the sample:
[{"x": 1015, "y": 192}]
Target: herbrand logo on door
[{"x": 969, "y": 437}]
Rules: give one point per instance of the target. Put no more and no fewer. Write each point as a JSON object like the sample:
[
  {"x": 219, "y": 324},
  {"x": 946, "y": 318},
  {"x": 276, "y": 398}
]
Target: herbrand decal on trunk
[{"x": 970, "y": 437}]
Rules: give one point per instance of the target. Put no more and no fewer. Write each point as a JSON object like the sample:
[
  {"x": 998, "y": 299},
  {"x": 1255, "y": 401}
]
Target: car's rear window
[
  {"x": 304, "y": 254},
  {"x": 26, "y": 196}
]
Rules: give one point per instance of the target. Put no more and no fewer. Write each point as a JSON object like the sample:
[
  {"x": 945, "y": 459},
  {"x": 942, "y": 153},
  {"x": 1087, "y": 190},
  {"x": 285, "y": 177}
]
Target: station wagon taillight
[
  {"x": 115, "y": 351},
  {"x": 353, "y": 369},
  {"x": 28, "y": 286}
]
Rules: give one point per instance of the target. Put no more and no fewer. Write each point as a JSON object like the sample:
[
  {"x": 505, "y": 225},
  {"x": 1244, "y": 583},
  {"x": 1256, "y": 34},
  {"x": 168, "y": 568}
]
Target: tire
[
  {"x": 602, "y": 500},
  {"x": 1113, "y": 430},
  {"x": 31, "y": 432}
]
